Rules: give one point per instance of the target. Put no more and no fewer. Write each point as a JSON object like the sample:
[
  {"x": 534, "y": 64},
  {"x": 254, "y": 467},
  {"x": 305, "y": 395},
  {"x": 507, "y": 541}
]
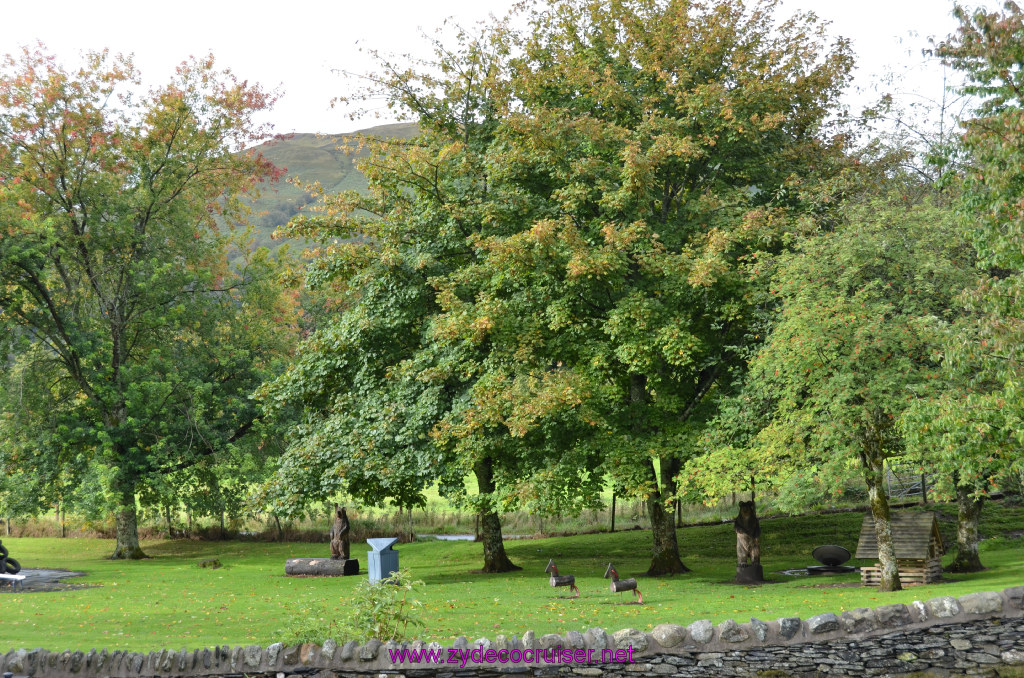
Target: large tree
[
  {"x": 562, "y": 266},
  {"x": 112, "y": 267},
  {"x": 976, "y": 425},
  {"x": 671, "y": 144},
  {"x": 866, "y": 307}
]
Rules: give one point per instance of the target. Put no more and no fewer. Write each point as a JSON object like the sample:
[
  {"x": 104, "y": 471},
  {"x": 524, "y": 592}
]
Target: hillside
[{"x": 308, "y": 158}]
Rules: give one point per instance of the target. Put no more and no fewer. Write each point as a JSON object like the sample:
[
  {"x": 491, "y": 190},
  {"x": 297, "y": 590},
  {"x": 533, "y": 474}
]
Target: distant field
[{"x": 169, "y": 602}]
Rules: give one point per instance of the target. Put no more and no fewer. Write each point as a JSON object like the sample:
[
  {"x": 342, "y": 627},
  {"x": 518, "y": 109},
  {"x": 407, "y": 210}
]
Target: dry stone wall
[{"x": 975, "y": 634}]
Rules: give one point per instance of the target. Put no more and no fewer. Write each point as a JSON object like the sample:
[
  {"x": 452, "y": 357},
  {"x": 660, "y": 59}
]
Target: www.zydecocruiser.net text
[{"x": 464, "y": 656}]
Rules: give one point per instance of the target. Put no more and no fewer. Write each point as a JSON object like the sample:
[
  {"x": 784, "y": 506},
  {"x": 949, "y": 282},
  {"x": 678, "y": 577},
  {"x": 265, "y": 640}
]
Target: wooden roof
[{"x": 915, "y": 536}]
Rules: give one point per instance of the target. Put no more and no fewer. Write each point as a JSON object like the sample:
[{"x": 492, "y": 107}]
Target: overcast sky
[{"x": 298, "y": 46}]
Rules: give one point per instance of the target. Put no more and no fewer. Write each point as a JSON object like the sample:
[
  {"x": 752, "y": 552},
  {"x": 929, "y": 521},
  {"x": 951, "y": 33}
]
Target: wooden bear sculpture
[
  {"x": 620, "y": 585},
  {"x": 561, "y": 580},
  {"x": 748, "y": 544},
  {"x": 339, "y": 535}
]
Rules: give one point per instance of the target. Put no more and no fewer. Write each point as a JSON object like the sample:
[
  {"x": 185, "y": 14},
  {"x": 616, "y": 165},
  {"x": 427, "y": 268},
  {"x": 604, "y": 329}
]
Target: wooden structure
[
  {"x": 561, "y": 579},
  {"x": 620, "y": 585},
  {"x": 918, "y": 546}
]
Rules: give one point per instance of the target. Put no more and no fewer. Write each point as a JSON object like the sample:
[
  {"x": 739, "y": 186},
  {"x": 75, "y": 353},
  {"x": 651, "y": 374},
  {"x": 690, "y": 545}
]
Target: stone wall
[{"x": 975, "y": 634}]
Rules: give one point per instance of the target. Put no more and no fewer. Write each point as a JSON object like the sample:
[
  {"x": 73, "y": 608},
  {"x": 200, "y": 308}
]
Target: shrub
[{"x": 383, "y": 610}]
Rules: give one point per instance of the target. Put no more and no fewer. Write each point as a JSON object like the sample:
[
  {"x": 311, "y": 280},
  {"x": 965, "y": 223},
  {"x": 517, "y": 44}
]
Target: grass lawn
[{"x": 168, "y": 602}]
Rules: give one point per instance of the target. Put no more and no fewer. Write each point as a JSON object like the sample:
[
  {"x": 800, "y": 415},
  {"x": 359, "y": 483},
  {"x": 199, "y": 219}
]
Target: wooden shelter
[{"x": 918, "y": 546}]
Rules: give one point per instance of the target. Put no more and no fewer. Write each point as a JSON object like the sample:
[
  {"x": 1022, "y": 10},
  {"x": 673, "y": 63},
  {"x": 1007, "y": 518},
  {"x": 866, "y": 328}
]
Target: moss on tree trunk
[
  {"x": 968, "y": 515},
  {"x": 873, "y": 464}
]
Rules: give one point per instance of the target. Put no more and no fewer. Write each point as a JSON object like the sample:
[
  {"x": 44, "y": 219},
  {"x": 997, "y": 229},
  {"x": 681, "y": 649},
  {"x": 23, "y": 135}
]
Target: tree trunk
[
  {"x": 495, "y": 559},
  {"x": 665, "y": 552},
  {"x": 613, "y": 511},
  {"x": 874, "y": 476},
  {"x": 60, "y": 517},
  {"x": 126, "y": 517},
  {"x": 968, "y": 514},
  {"x": 280, "y": 532},
  {"x": 167, "y": 518},
  {"x": 665, "y": 558}
]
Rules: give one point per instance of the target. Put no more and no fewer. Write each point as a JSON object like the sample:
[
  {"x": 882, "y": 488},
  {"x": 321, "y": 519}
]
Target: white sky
[{"x": 295, "y": 46}]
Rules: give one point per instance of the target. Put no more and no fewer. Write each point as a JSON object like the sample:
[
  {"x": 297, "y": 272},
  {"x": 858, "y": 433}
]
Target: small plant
[{"x": 382, "y": 610}]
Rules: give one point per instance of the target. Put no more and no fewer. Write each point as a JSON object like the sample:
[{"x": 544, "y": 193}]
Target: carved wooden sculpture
[
  {"x": 620, "y": 585},
  {"x": 339, "y": 535},
  {"x": 561, "y": 580},
  {"x": 748, "y": 544}
]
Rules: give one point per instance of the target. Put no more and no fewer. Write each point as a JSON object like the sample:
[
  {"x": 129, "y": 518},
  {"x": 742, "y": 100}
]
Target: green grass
[{"x": 169, "y": 602}]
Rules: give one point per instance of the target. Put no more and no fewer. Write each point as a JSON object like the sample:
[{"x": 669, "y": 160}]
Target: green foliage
[
  {"x": 381, "y": 610},
  {"x": 139, "y": 342},
  {"x": 562, "y": 272},
  {"x": 978, "y": 424},
  {"x": 865, "y": 311}
]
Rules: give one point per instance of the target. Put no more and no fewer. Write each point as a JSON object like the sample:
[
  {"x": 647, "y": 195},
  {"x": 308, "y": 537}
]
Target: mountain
[{"x": 308, "y": 158}]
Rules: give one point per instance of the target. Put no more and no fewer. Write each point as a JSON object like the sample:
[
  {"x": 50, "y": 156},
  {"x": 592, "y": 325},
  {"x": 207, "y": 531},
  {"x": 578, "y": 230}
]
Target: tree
[
  {"x": 112, "y": 266},
  {"x": 557, "y": 276},
  {"x": 865, "y": 309},
  {"x": 977, "y": 422},
  {"x": 671, "y": 143}
]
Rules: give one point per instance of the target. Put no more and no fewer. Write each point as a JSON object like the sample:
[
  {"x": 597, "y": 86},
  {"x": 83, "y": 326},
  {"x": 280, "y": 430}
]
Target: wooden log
[
  {"x": 623, "y": 585},
  {"x": 321, "y": 567},
  {"x": 563, "y": 580}
]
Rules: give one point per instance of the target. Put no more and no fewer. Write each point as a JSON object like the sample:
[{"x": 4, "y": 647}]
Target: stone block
[
  {"x": 328, "y": 649},
  {"x": 549, "y": 641},
  {"x": 731, "y": 632},
  {"x": 597, "y": 639},
  {"x": 759, "y": 628},
  {"x": 1013, "y": 657},
  {"x": 368, "y": 652},
  {"x": 981, "y": 603},
  {"x": 252, "y": 655},
  {"x": 273, "y": 652},
  {"x": 669, "y": 635},
  {"x": 575, "y": 640},
  {"x": 893, "y": 616},
  {"x": 823, "y": 623},
  {"x": 789, "y": 627},
  {"x": 919, "y": 611},
  {"x": 348, "y": 650},
  {"x": 290, "y": 656},
  {"x": 859, "y": 620},
  {"x": 482, "y": 643},
  {"x": 627, "y": 638},
  {"x": 1015, "y": 597},
  {"x": 529, "y": 640},
  {"x": 943, "y": 606},
  {"x": 702, "y": 631}
]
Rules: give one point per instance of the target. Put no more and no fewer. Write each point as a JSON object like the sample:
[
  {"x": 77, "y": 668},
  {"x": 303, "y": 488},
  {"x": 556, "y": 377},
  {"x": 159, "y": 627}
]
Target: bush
[{"x": 383, "y": 611}]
